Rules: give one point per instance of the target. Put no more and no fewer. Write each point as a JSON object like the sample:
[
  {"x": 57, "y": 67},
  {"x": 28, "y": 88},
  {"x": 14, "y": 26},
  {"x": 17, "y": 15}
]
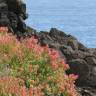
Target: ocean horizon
[{"x": 77, "y": 18}]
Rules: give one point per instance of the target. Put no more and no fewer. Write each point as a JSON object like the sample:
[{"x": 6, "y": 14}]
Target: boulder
[
  {"x": 4, "y": 21},
  {"x": 73, "y": 44},
  {"x": 91, "y": 60},
  {"x": 87, "y": 91},
  {"x": 93, "y": 51},
  {"x": 82, "y": 47},
  {"x": 81, "y": 54},
  {"x": 67, "y": 51},
  {"x": 91, "y": 79},
  {"x": 44, "y": 38},
  {"x": 56, "y": 33},
  {"x": 58, "y": 36},
  {"x": 80, "y": 68},
  {"x": 71, "y": 37}
]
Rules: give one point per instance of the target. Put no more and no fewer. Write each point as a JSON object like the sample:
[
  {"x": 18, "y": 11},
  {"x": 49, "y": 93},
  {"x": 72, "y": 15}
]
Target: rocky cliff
[{"x": 13, "y": 14}]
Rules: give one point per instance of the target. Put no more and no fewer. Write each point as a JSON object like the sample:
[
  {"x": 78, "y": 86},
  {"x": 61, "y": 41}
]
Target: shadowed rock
[
  {"x": 80, "y": 67},
  {"x": 13, "y": 14}
]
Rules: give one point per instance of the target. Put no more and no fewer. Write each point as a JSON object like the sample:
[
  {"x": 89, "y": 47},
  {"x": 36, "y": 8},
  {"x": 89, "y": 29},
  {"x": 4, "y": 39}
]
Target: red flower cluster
[
  {"x": 10, "y": 85},
  {"x": 3, "y": 29},
  {"x": 36, "y": 91},
  {"x": 40, "y": 69}
]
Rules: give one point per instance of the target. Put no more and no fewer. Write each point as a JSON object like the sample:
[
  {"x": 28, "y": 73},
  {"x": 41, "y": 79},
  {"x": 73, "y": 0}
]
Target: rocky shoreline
[{"x": 81, "y": 59}]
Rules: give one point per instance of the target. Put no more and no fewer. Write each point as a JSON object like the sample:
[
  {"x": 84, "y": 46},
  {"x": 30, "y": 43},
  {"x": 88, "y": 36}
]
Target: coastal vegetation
[{"x": 28, "y": 69}]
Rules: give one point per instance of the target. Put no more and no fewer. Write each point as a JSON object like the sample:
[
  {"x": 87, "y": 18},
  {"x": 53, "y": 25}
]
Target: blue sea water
[{"x": 75, "y": 17}]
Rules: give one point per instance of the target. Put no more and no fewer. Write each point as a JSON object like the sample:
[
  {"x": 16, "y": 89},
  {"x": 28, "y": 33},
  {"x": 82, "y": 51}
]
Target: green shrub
[{"x": 27, "y": 69}]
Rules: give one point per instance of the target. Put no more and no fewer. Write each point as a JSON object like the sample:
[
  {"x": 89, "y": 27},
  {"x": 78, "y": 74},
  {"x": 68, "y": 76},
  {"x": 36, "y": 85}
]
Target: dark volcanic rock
[
  {"x": 93, "y": 51},
  {"x": 13, "y": 14},
  {"x": 82, "y": 47},
  {"x": 67, "y": 51},
  {"x": 54, "y": 33},
  {"x": 73, "y": 44},
  {"x": 91, "y": 60},
  {"x": 81, "y": 68},
  {"x": 87, "y": 91}
]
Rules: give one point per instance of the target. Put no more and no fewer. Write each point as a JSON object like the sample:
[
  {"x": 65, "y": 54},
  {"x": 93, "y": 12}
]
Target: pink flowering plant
[{"x": 28, "y": 69}]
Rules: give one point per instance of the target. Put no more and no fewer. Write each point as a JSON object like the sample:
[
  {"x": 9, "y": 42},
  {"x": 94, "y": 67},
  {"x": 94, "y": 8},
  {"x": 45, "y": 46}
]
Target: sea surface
[{"x": 75, "y": 17}]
